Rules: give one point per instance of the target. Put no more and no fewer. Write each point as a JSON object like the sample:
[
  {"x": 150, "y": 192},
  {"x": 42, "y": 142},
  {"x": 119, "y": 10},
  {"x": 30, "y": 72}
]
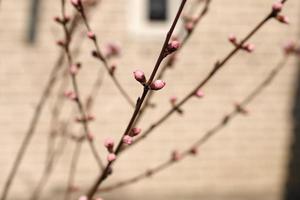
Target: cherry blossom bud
[
  {"x": 289, "y": 47},
  {"x": 232, "y": 38},
  {"x": 57, "y": 19},
  {"x": 135, "y": 131},
  {"x": 60, "y": 43},
  {"x": 127, "y": 139},
  {"x": 90, "y": 117},
  {"x": 109, "y": 144},
  {"x": 283, "y": 19},
  {"x": 172, "y": 46},
  {"x": 189, "y": 26},
  {"x": 249, "y": 47},
  {"x": 112, "y": 49},
  {"x": 71, "y": 95},
  {"x": 157, "y": 85},
  {"x": 91, "y": 35},
  {"x": 173, "y": 100},
  {"x": 199, "y": 93},
  {"x": 111, "y": 157},
  {"x": 194, "y": 151},
  {"x": 76, "y": 3},
  {"x": 112, "y": 69},
  {"x": 83, "y": 198},
  {"x": 175, "y": 156},
  {"x": 139, "y": 76},
  {"x": 98, "y": 198},
  {"x": 277, "y": 6},
  {"x": 90, "y": 136},
  {"x": 73, "y": 69}
]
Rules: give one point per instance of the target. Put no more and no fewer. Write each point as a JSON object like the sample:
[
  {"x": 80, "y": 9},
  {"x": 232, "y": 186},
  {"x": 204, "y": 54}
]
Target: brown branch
[
  {"x": 139, "y": 103},
  {"x": 100, "y": 56},
  {"x": 218, "y": 127},
  {"x": 219, "y": 65},
  {"x": 169, "y": 63},
  {"x": 76, "y": 89}
]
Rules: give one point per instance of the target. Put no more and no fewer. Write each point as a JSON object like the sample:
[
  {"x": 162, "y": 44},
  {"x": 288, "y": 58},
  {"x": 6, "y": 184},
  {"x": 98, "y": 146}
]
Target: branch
[{"x": 192, "y": 150}]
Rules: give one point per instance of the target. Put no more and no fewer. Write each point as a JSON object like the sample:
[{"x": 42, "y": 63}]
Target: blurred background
[{"x": 254, "y": 157}]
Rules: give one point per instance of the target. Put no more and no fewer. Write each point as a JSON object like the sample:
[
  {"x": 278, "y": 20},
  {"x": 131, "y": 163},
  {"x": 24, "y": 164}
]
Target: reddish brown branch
[
  {"x": 218, "y": 65},
  {"x": 208, "y": 135},
  {"x": 139, "y": 103}
]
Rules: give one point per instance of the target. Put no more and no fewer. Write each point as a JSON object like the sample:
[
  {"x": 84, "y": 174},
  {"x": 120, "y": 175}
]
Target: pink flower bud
[
  {"x": 232, "y": 38},
  {"x": 157, "y": 85},
  {"x": 90, "y": 136},
  {"x": 277, "y": 6},
  {"x": 127, "y": 139},
  {"x": 283, "y": 19},
  {"x": 112, "y": 69},
  {"x": 249, "y": 47},
  {"x": 289, "y": 47},
  {"x": 112, "y": 49},
  {"x": 173, "y": 46},
  {"x": 175, "y": 156},
  {"x": 199, "y": 93},
  {"x": 98, "y": 198},
  {"x": 189, "y": 26},
  {"x": 60, "y": 43},
  {"x": 57, "y": 19},
  {"x": 173, "y": 100},
  {"x": 83, "y": 198},
  {"x": 91, "y": 35},
  {"x": 109, "y": 144},
  {"x": 194, "y": 151},
  {"x": 135, "y": 131},
  {"x": 73, "y": 69},
  {"x": 111, "y": 157},
  {"x": 76, "y": 3},
  {"x": 139, "y": 76},
  {"x": 71, "y": 95}
]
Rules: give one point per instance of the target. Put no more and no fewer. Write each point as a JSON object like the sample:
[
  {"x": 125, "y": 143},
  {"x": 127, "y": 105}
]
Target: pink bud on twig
[
  {"x": 199, "y": 93},
  {"x": 73, "y": 69},
  {"x": 135, "y": 131},
  {"x": 109, "y": 144},
  {"x": 71, "y": 95},
  {"x": 112, "y": 69},
  {"x": 90, "y": 136},
  {"x": 283, "y": 19},
  {"x": 172, "y": 46},
  {"x": 175, "y": 156},
  {"x": 289, "y": 47},
  {"x": 277, "y": 6},
  {"x": 249, "y": 47},
  {"x": 173, "y": 100},
  {"x": 127, "y": 139},
  {"x": 111, "y": 157},
  {"x": 139, "y": 76},
  {"x": 112, "y": 49},
  {"x": 189, "y": 26},
  {"x": 194, "y": 151},
  {"x": 76, "y": 3},
  {"x": 91, "y": 35},
  {"x": 232, "y": 38},
  {"x": 83, "y": 198},
  {"x": 157, "y": 85}
]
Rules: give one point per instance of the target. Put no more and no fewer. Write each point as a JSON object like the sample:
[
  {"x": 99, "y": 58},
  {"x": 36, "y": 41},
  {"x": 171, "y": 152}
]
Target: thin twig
[
  {"x": 100, "y": 56},
  {"x": 218, "y": 65},
  {"x": 76, "y": 89},
  {"x": 218, "y": 127},
  {"x": 139, "y": 103}
]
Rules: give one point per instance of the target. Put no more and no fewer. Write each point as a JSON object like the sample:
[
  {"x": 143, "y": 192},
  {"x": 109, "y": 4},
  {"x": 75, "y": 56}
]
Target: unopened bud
[
  {"x": 111, "y": 157},
  {"x": 127, "y": 139},
  {"x": 277, "y": 6},
  {"x": 139, "y": 76},
  {"x": 157, "y": 85}
]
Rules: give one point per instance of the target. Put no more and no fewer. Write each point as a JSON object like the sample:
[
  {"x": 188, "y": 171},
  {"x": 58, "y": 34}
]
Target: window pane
[{"x": 157, "y": 10}]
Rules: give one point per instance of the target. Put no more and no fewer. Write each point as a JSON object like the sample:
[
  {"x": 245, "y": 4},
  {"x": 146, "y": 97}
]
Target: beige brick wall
[{"x": 247, "y": 160}]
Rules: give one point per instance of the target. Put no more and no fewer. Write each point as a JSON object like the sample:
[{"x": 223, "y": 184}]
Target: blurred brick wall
[{"x": 247, "y": 160}]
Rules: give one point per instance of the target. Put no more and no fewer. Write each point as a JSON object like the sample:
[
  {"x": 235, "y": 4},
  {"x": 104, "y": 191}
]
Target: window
[
  {"x": 157, "y": 10},
  {"x": 150, "y": 18}
]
